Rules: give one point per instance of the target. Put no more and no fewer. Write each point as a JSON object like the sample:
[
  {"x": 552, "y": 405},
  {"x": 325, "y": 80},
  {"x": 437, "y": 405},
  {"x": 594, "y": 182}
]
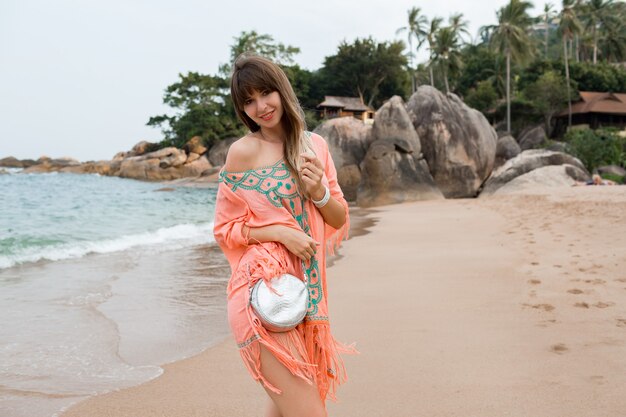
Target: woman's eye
[
  {"x": 265, "y": 93},
  {"x": 247, "y": 102}
]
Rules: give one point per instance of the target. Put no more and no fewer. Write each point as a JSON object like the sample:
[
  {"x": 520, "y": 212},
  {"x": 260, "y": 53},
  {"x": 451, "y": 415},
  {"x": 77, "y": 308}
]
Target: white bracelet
[{"x": 321, "y": 203}]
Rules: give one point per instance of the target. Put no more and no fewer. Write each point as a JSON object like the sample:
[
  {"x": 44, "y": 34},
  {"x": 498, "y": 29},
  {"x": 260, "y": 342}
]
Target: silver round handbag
[{"x": 283, "y": 311}]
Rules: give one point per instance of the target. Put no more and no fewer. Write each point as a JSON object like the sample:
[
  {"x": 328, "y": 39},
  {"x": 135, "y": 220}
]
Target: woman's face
[{"x": 264, "y": 108}]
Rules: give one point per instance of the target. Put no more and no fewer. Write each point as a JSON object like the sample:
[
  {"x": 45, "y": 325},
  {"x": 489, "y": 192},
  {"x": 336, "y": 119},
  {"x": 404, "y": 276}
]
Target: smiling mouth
[{"x": 267, "y": 116}]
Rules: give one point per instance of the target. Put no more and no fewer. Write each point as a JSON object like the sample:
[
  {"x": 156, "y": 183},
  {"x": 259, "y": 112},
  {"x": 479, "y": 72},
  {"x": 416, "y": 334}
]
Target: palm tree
[
  {"x": 430, "y": 37},
  {"x": 595, "y": 12},
  {"x": 548, "y": 14},
  {"x": 510, "y": 37},
  {"x": 613, "y": 41},
  {"x": 446, "y": 53},
  {"x": 460, "y": 26},
  {"x": 568, "y": 27},
  {"x": 415, "y": 30}
]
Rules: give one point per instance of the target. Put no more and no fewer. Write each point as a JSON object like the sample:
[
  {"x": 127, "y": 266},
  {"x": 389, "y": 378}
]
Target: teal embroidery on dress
[{"x": 275, "y": 182}]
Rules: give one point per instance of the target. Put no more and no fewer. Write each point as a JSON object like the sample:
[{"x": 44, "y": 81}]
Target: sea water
[{"x": 102, "y": 280}]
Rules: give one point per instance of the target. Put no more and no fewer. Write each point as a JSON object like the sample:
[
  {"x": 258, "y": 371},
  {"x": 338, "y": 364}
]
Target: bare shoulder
[{"x": 241, "y": 154}]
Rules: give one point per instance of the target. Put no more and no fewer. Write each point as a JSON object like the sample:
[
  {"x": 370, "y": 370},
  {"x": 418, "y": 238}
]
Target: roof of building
[
  {"x": 595, "y": 102},
  {"x": 346, "y": 103}
]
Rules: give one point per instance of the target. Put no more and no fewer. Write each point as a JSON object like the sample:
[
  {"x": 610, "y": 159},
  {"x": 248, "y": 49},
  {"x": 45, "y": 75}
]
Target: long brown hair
[{"x": 253, "y": 72}]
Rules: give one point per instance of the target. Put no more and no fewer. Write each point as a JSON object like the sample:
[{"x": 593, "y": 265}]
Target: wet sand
[{"x": 504, "y": 306}]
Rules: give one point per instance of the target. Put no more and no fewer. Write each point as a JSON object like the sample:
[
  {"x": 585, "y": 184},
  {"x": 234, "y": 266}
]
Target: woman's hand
[
  {"x": 311, "y": 173},
  {"x": 298, "y": 243}
]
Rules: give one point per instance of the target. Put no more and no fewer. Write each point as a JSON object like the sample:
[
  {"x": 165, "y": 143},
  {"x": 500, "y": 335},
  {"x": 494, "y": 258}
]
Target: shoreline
[
  {"x": 510, "y": 305},
  {"x": 360, "y": 222}
]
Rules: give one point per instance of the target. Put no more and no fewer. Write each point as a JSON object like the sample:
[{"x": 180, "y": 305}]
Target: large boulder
[
  {"x": 541, "y": 178},
  {"x": 457, "y": 141},
  {"x": 348, "y": 139},
  {"x": 196, "y": 167},
  {"x": 393, "y": 121},
  {"x": 506, "y": 149},
  {"x": 11, "y": 162},
  {"x": 612, "y": 170},
  {"x": 528, "y": 161},
  {"x": 217, "y": 153},
  {"x": 195, "y": 145},
  {"x": 392, "y": 173},
  {"x": 532, "y": 138},
  {"x": 143, "y": 147}
]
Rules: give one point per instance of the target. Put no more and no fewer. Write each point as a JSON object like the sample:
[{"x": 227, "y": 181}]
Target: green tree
[
  {"x": 446, "y": 53},
  {"x": 482, "y": 98},
  {"x": 595, "y": 148},
  {"x": 548, "y": 95},
  {"x": 264, "y": 45},
  {"x": 547, "y": 16},
  {"x": 569, "y": 26},
  {"x": 202, "y": 109},
  {"x": 510, "y": 38},
  {"x": 373, "y": 71},
  {"x": 595, "y": 15},
  {"x": 415, "y": 29},
  {"x": 433, "y": 28},
  {"x": 202, "y": 104}
]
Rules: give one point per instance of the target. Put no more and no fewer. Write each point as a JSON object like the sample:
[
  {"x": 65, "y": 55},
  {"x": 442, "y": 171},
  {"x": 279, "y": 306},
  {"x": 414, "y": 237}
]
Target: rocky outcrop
[
  {"x": 506, "y": 149},
  {"x": 613, "y": 170},
  {"x": 531, "y": 160},
  {"x": 12, "y": 162},
  {"x": 532, "y": 138},
  {"x": 457, "y": 141},
  {"x": 195, "y": 145},
  {"x": 217, "y": 153},
  {"x": 347, "y": 138},
  {"x": 393, "y": 121},
  {"x": 392, "y": 173},
  {"x": 142, "y": 147},
  {"x": 548, "y": 176},
  {"x": 394, "y": 169}
]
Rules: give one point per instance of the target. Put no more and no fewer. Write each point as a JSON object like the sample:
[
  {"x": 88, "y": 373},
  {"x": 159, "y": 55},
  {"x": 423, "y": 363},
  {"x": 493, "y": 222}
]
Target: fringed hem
[
  {"x": 324, "y": 351},
  {"x": 251, "y": 353},
  {"x": 333, "y": 236},
  {"x": 313, "y": 341}
]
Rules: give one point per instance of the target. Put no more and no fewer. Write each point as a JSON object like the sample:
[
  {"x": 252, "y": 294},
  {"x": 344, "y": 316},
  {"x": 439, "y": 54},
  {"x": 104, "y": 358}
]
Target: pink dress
[{"x": 268, "y": 196}]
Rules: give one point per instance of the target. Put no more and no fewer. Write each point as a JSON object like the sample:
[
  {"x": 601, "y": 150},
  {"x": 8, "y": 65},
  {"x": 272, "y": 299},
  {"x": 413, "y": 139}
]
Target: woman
[{"x": 279, "y": 207}]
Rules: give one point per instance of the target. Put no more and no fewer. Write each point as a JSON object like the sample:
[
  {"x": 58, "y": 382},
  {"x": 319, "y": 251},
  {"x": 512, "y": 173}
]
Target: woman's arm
[
  {"x": 296, "y": 241},
  {"x": 333, "y": 212}
]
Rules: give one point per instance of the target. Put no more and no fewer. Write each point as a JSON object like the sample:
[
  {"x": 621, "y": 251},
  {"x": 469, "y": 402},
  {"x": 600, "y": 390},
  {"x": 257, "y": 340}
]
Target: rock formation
[{"x": 457, "y": 141}]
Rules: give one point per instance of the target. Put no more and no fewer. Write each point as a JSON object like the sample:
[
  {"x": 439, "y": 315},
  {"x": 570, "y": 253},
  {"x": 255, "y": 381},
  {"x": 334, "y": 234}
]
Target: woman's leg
[
  {"x": 298, "y": 398},
  {"x": 271, "y": 410}
]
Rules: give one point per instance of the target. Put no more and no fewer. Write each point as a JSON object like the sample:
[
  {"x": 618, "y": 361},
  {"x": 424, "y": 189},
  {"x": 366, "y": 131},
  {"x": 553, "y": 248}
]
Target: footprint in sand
[
  {"x": 544, "y": 307},
  {"x": 621, "y": 322},
  {"x": 596, "y": 281},
  {"x": 534, "y": 281},
  {"x": 557, "y": 266},
  {"x": 620, "y": 279},
  {"x": 575, "y": 291},
  {"x": 534, "y": 263},
  {"x": 559, "y": 348},
  {"x": 604, "y": 304},
  {"x": 581, "y": 305}
]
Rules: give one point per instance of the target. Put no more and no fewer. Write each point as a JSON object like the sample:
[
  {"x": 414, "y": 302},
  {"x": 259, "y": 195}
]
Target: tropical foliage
[{"x": 516, "y": 71}]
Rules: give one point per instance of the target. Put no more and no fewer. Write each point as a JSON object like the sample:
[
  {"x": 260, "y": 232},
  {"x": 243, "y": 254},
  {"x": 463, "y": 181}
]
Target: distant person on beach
[
  {"x": 596, "y": 180},
  {"x": 279, "y": 209}
]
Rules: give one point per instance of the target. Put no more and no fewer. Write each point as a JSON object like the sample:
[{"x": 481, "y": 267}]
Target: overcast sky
[{"x": 82, "y": 78}]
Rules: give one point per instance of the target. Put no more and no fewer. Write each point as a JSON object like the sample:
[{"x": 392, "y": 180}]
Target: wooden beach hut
[{"x": 337, "y": 106}]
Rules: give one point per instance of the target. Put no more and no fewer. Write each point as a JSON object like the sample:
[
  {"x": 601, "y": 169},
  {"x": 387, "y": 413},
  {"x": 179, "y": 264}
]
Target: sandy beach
[{"x": 510, "y": 305}]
